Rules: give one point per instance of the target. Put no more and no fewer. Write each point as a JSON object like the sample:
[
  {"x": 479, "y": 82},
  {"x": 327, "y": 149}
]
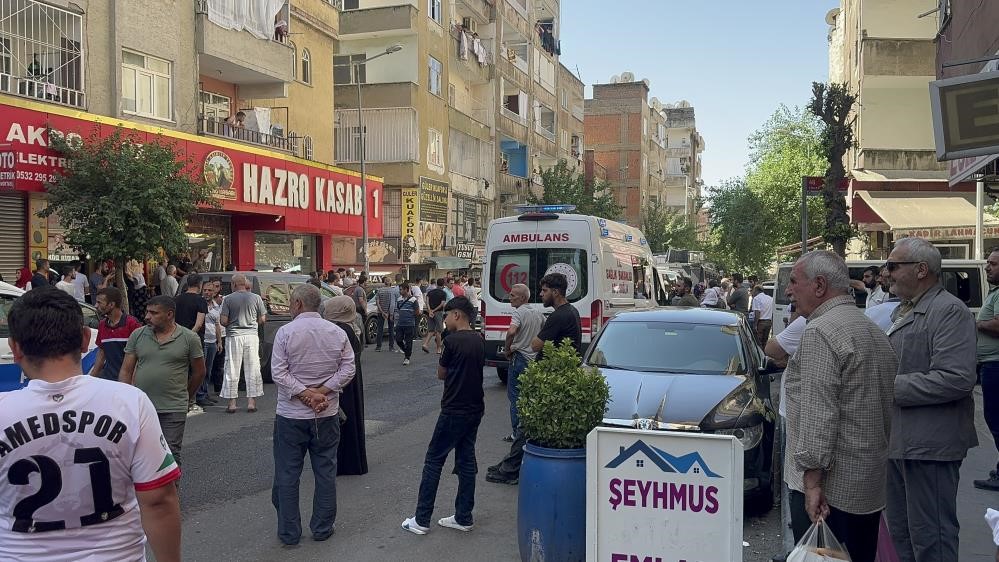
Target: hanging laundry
[{"x": 462, "y": 45}]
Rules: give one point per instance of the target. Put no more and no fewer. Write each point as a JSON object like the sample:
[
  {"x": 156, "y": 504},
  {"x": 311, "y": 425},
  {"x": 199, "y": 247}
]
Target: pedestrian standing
[
  {"x": 359, "y": 294},
  {"x": 158, "y": 358},
  {"x": 96, "y": 280},
  {"x": 436, "y": 299},
  {"x": 462, "y": 407},
  {"x": 525, "y": 324},
  {"x": 169, "y": 284},
  {"x": 217, "y": 374},
  {"x": 563, "y": 323},
  {"x": 112, "y": 334},
  {"x": 242, "y": 314},
  {"x": 192, "y": 310},
  {"x": 684, "y": 296},
  {"x": 41, "y": 276},
  {"x": 81, "y": 283},
  {"x": 65, "y": 284},
  {"x": 763, "y": 314},
  {"x": 159, "y": 274},
  {"x": 870, "y": 286},
  {"x": 839, "y": 378},
  {"x": 933, "y": 418},
  {"x": 385, "y": 300},
  {"x": 351, "y": 454},
  {"x": 988, "y": 361},
  {"x": 457, "y": 290},
  {"x": 407, "y": 310},
  {"x": 104, "y": 443},
  {"x": 738, "y": 300},
  {"x": 417, "y": 292},
  {"x": 311, "y": 363},
  {"x": 213, "y": 337}
]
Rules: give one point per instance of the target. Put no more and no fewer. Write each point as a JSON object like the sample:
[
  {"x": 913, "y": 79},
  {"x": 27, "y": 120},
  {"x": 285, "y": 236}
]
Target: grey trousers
[{"x": 922, "y": 509}]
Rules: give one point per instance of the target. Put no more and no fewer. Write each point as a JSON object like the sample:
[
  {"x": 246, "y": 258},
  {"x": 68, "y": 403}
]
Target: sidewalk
[{"x": 976, "y": 537}]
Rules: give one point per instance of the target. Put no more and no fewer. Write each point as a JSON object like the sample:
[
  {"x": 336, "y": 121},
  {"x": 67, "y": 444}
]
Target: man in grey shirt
[
  {"x": 525, "y": 324},
  {"x": 169, "y": 284},
  {"x": 242, "y": 314}
]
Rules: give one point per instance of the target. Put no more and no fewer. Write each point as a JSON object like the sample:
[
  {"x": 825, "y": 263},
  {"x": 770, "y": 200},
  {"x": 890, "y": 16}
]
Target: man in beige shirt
[{"x": 839, "y": 397}]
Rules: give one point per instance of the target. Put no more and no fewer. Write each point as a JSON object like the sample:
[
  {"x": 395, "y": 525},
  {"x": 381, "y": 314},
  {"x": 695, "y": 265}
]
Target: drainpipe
[{"x": 115, "y": 69}]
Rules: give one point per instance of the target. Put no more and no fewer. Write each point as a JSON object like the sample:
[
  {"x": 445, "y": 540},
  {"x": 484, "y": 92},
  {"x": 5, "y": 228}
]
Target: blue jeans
[
  {"x": 518, "y": 363},
  {"x": 453, "y": 432},
  {"x": 211, "y": 351},
  {"x": 990, "y": 397},
  {"x": 292, "y": 439},
  {"x": 381, "y": 333}
]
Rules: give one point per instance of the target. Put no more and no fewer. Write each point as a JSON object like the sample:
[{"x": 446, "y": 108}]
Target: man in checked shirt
[
  {"x": 839, "y": 398},
  {"x": 311, "y": 363}
]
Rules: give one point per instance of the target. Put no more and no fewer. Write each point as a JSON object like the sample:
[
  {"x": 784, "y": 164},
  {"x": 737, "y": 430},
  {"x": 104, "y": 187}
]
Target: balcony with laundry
[
  {"x": 514, "y": 54},
  {"x": 244, "y": 46},
  {"x": 41, "y": 53},
  {"x": 472, "y": 50},
  {"x": 222, "y": 115}
]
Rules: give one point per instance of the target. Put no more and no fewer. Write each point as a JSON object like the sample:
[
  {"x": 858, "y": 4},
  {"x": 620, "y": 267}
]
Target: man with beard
[{"x": 871, "y": 285}]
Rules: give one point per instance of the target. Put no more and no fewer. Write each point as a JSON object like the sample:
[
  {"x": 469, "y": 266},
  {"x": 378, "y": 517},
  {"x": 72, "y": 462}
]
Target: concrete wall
[
  {"x": 403, "y": 66},
  {"x": 891, "y": 105},
  {"x": 971, "y": 33},
  {"x": 897, "y": 18}
]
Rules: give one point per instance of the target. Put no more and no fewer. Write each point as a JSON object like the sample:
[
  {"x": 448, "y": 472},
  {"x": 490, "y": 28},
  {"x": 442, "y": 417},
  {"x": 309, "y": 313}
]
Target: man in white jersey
[{"x": 84, "y": 466}]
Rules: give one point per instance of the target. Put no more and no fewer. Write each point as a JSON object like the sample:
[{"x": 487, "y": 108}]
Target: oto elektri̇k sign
[{"x": 663, "y": 496}]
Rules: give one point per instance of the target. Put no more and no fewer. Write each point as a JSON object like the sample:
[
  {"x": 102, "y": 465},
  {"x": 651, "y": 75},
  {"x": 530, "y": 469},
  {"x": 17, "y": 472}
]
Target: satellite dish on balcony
[
  {"x": 656, "y": 104},
  {"x": 627, "y": 77},
  {"x": 646, "y": 82},
  {"x": 615, "y": 79},
  {"x": 683, "y": 104}
]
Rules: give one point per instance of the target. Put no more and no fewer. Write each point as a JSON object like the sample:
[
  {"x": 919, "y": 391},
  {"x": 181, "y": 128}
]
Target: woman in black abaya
[{"x": 351, "y": 456}]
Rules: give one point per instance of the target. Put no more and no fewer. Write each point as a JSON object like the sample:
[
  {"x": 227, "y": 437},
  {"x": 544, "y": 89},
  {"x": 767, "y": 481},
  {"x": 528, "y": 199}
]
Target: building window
[
  {"x": 434, "y": 10},
  {"x": 435, "y": 150},
  {"x": 343, "y": 69},
  {"x": 436, "y": 70},
  {"x": 310, "y": 153},
  {"x": 351, "y": 4},
  {"x": 146, "y": 87},
  {"x": 306, "y": 66},
  {"x": 215, "y": 106},
  {"x": 294, "y": 59},
  {"x": 392, "y": 209},
  {"x": 565, "y": 99},
  {"x": 5, "y": 55}
]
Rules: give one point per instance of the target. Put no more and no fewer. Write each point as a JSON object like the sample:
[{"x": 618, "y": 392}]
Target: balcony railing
[
  {"x": 390, "y": 135},
  {"x": 550, "y": 135},
  {"x": 219, "y": 128},
  {"x": 510, "y": 184},
  {"x": 41, "y": 52}
]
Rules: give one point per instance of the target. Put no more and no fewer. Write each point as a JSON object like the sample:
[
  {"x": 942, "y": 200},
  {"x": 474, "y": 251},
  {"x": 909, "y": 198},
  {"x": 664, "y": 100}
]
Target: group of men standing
[{"x": 868, "y": 430}]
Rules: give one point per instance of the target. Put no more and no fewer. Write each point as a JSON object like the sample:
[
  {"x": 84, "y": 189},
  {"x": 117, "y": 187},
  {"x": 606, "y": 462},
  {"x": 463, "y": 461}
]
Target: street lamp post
[{"x": 360, "y": 131}]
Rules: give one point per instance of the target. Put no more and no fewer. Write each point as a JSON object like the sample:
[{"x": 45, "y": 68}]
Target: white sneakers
[
  {"x": 413, "y": 527},
  {"x": 405, "y": 361}
]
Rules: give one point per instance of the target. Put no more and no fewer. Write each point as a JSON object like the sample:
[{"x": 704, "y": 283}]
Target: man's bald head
[
  {"x": 239, "y": 281},
  {"x": 521, "y": 290}
]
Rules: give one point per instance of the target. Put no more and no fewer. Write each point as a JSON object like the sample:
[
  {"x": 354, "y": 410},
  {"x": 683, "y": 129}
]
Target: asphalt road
[{"x": 225, "y": 492}]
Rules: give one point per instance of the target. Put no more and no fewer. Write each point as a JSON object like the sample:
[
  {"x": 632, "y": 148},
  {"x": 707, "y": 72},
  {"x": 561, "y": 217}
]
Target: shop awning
[
  {"x": 910, "y": 213},
  {"x": 447, "y": 262}
]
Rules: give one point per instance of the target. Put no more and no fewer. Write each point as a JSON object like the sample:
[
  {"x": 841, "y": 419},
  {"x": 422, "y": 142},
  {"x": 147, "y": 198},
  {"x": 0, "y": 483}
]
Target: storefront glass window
[{"x": 290, "y": 252}]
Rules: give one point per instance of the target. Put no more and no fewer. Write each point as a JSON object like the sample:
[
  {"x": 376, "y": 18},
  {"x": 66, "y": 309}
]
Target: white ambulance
[{"x": 608, "y": 265}]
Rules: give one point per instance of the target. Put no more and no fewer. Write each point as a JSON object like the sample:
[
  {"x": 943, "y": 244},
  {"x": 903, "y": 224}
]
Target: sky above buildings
[{"x": 735, "y": 61}]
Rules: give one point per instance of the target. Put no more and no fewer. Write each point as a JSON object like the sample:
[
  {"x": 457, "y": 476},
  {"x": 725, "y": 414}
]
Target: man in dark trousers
[
  {"x": 462, "y": 407},
  {"x": 192, "y": 309},
  {"x": 562, "y": 323}
]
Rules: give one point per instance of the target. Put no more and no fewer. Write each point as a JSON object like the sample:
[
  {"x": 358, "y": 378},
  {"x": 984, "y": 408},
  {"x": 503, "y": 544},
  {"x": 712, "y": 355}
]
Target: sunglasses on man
[{"x": 893, "y": 265}]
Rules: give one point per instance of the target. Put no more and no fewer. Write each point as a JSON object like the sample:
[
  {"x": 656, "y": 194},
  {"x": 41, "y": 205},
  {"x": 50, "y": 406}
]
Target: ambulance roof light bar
[{"x": 542, "y": 212}]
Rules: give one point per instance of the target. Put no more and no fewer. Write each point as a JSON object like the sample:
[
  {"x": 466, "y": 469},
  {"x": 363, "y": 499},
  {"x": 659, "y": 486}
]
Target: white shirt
[
  {"x": 789, "y": 339},
  {"x": 97, "y": 436},
  {"x": 70, "y": 288},
  {"x": 418, "y": 293},
  {"x": 876, "y": 296},
  {"x": 881, "y": 314},
  {"x": 81, "y": 284},
  {"x": 763, "y": 305}
]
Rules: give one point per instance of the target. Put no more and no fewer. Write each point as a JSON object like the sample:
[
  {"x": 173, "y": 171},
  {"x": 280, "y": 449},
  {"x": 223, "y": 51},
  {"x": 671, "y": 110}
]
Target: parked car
[
  {"x": 275, "y": 289},
  {"x": 698, "y": 370},
  {"x": 11, "y": 377}
]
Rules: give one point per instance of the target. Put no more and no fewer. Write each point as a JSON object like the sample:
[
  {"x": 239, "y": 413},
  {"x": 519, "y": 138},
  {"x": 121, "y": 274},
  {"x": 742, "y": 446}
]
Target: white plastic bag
[{"x": 818, "y": 545}]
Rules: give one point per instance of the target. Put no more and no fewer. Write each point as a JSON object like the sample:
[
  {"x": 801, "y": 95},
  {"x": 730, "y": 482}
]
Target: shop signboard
[
  {"x": 381, "y": 250},
  {"x": 965, "y": 113},
  {"x": 307, "y": 196},
  {"x": 466, "y": 251},
  {"x": 947, "y": 233},
  {"x": 433, "y": 201},
  {"x": 411, "y": 224},
  {"x": 662, "y": 495},
  {"x": 8, "y": 170}
]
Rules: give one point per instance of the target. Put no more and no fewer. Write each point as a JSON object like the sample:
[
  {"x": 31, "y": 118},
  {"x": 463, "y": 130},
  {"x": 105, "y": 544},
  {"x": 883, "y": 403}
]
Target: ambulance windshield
[{"x": 529, "y": 265}]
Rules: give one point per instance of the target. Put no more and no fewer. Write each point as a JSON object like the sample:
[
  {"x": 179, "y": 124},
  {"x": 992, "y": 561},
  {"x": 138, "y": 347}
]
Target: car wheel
[
  {"x": 422, "y": 328},
  {"x": 503, "y": 374},
  {"x": 371, "y": 329}
]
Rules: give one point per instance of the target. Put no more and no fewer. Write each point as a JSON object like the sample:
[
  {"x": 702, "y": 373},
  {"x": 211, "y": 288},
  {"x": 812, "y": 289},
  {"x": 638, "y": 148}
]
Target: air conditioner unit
[{"x": 470, "y": 25}]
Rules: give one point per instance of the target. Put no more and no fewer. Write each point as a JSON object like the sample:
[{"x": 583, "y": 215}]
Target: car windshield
[{"x": 669, "y": 347}]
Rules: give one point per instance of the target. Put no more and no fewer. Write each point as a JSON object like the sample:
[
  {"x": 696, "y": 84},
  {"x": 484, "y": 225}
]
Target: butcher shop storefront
[{"x": 275, "y": 210}]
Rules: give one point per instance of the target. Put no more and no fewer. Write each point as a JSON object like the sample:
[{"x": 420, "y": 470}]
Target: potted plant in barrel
[{"x": 560, "y": 403}]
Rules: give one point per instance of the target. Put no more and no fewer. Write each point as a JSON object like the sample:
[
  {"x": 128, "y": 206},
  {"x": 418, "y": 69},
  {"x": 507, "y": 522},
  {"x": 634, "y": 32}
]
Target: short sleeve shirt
[
  {"x": 528, "y": 321},
  {"x": 242, "y": 308},
  {"x": 464, "y": 357},
  {"x": 95, "y": 442},
  {"x": 563, "y": 323},
  {"x": 188, "y": 307},
  {"x": 789, "y": 339},
  {"x": 112, "y": 340},
  {"x": 435, "y": 297},
  {"x": 988, "y": 346},
  {"x": 161, "y": 368}
]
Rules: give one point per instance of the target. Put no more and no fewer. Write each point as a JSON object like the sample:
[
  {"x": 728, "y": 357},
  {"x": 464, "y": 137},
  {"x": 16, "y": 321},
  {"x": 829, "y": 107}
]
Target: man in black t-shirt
[
  {"x": 192, "y": 309},
  {"x": 436, "y": 299},
  {"x": 462, "y": 406},
  {"x": 562, "y": 323}
]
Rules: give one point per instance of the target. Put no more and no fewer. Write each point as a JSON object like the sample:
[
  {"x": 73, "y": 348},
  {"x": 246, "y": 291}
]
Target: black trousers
[{"x": 858, "y": 533}]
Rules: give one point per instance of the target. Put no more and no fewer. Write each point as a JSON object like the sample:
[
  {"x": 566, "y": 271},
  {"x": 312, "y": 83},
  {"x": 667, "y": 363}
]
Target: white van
[
  {"x": 608, "y": 265},
  {"x": 11, "y": 377},
  {"x": 965, "y": 279}
]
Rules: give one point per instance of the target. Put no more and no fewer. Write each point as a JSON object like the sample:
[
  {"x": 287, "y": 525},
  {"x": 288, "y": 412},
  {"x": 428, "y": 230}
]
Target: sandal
[
  {"x": 251, "y": 410},
  {"x": 424, "y": 348},
  {"x": 230, "y": 410}
]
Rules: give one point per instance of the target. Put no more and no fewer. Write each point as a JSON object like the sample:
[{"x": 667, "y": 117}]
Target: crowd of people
[{"x": 746, "y": 297}]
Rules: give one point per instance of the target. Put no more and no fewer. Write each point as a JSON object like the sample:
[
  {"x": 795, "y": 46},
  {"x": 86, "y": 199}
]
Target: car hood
[{"x": 683, "y": 399}]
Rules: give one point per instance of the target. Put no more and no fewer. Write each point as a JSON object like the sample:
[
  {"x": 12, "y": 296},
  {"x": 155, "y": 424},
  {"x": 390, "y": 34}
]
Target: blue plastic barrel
[{"x": 551, "y": 508}]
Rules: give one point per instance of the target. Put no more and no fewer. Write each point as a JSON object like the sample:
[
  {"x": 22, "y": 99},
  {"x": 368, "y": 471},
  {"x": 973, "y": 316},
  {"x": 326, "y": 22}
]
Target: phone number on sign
[{"x": 35, "y": 176}]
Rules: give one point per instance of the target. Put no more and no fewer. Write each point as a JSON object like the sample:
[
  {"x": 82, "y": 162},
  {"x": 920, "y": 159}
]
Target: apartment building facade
[
  {"x": 649, "y": 150},
  {"x": 184, "y": 71}
]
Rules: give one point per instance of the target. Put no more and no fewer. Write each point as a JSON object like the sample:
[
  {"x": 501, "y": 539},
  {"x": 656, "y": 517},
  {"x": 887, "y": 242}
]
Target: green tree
[
  {"x": 123, "y": 199},
  {"x": 832, "y": 104},
  {"x": 740, "y": 228},
  {"x": 562, "y": 184},
  {"x": 666, "y": 228}
]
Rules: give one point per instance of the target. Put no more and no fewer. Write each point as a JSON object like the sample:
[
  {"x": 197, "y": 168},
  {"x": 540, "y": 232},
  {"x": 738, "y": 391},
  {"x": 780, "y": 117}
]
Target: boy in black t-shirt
[{"x": 462, "y": 407}]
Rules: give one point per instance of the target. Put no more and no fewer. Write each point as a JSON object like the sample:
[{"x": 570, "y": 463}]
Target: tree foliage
[
  {"x": 562, "y": 184},
  {"x": 740, "y": 228},
  {"x": 832, "y": 104},
  {"x": 119, "y": 198},
  {"x": 666, "y": 228}
]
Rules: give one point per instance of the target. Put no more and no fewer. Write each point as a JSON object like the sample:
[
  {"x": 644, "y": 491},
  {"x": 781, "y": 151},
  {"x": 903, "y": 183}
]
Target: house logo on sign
[{"x": 640, "y": 453}]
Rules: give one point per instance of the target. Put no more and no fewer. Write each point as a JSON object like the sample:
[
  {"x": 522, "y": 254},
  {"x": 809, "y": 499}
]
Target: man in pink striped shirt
[{"x": 311, "y": 363}]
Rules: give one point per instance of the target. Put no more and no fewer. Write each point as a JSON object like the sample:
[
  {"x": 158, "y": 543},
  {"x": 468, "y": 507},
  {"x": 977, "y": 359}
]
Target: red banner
[{"x": 300, "y": 196}]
